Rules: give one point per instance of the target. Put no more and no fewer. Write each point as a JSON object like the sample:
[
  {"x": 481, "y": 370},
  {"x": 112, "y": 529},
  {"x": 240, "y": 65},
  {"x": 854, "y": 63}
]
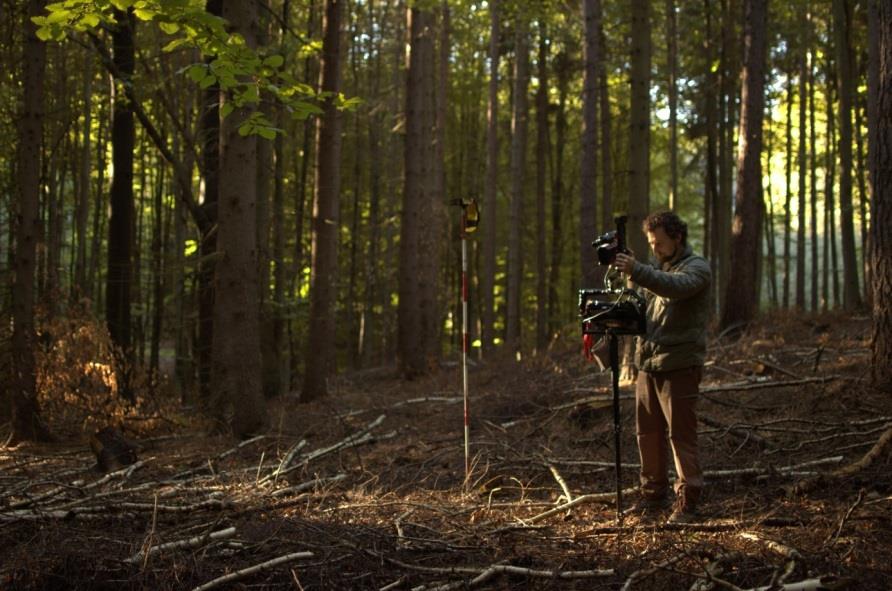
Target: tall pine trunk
[
  {"x": 842, "y": 17},
  {"x": 320, "y": 354},
  {"x": 880, "y": 87},
  {"x": 741, "y": 298},
  {"x": 519, "y": 125},
  {"x": 26, "y": 421},
  {"x": 418, "y": 331},
  {"x": 236, "y": 373},
  {"x": 120, "y": 225},
  {"x": 802, "y": 166},
  {"x": 588, "y": 167},
  {"x": 563, "y": 72},
  {"x": 490, "y": 197},
  {"x": 541, "y": 174},
  {"x": 672, "y": 58},
  {"x": 639, "y": 126}
]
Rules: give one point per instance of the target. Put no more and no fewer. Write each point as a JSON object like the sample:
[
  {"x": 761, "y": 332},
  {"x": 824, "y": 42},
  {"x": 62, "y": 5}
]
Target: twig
[
  {"x": 240, "y": 574},
  {"x": 646, "y": 572},
  {"x": 225, "y": 454},
  {"x": 286, "y": 461},
  {"x": 831, "y": 539},
  {"x": 560, "y": 481}
]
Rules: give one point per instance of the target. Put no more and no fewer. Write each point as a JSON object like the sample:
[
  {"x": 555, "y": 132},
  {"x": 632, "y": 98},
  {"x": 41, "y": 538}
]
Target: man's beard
[{"x": 668, "y": 259}]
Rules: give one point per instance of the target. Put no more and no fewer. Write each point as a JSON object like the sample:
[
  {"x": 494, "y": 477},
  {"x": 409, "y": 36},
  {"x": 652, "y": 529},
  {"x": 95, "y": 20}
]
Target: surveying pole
[{"x": 470, "y": 217}]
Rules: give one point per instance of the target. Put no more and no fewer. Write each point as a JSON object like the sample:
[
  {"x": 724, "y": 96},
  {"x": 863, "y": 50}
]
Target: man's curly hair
[{"x": 670, "y": 222}]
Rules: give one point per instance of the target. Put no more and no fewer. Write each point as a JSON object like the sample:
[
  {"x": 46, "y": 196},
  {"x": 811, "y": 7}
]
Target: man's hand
[{"x": 625, "y": 262}]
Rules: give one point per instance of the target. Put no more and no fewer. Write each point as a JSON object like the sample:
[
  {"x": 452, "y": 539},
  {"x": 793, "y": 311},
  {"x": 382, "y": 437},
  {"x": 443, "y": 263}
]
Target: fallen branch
[
  {"x": 358, "y": 438},
  {"x": 245, "y": 572},
  {"x": 190, "y": 543},
  {"x": 766, "y": 384},
  {"x": 207, "y": 463},
  {"x": 484, "y": 574},
  {"x": 845, "y": 472},
  {"x": 825, "y": 583}
]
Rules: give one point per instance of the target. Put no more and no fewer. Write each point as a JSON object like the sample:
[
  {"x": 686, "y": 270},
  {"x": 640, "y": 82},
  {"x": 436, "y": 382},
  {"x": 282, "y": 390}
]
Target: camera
[
  {"x": 611, "y": 243},
  {"x": 612, "y": 311}
]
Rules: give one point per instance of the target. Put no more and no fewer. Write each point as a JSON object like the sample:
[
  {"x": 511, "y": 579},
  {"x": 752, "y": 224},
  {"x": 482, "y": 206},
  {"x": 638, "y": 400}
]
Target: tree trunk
[
  {"x": 158, "y": 240},
  {"x": 711, "y": 189},
  {"x": 588, "y": 167},
  {"x": 490, "y": 198},
  {"x": 722, "y": 220},
  {"x": 639, "y": 127},
  {"x": 842, "y": 17},
  {"x": 209, "y": 140},
  {"x": 82, "y": 211},
  {"x": 542, "y": 149},
  {"x": 802, "y": 164},
  {"x": 831, "y": 185},
  {"x": 813, "y": 179},
  {"x": 120, "y": 225},
  {"x": 788, "y": 197},
  {"x": 26, "y": 421},
  {"x": 418, "y": 314},
  {"x": 881, "y": 210},
  {"x": 519, "y": 121},
  {"x": 98, "y": 226},
  {"x": 873, "y": 82},
  {"x": 563, "y": 71},
  {"x": 672, "y": 58},
  {"x": 741, "y": 301},
  {"x": 236, "y": 376},
  {"x": 321, "y": 359},
  {"x": 606, "y": 121}
]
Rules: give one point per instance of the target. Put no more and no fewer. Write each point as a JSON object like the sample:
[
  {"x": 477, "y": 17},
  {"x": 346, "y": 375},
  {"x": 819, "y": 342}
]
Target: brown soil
[{"x": 400, "y": 514}]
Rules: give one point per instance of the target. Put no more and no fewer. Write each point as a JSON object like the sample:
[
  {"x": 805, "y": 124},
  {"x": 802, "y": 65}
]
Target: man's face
[{"x": 664, "y": 247}]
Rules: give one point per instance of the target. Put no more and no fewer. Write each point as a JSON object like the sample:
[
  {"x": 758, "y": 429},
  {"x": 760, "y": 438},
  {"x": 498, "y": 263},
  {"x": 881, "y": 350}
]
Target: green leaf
[
  {"x": 208, "y": 81},
  {"x": 174, "y": 44},
  {"x": 268, "y": 133},
  {"x": 145, "y": 14},
  {"x": 170, "y": 28},
  {"x": 91, "y": 20},
  {"x": 58, "y": 16},
  {"x": 226, "y": 109},
  {"x": 44, "y": 34},
  {"x": 274, "y": 61},
  {"x": 197, "y": 72},
  {"x": 245, "y": 129}
]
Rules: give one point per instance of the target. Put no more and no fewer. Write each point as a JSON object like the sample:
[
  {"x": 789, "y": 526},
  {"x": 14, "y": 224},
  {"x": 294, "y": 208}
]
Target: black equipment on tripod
[{"x": 612, "y": 313}]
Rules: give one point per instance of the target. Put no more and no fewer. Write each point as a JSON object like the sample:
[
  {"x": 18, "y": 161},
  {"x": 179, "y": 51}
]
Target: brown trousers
[{"x": 665, "y": 405}]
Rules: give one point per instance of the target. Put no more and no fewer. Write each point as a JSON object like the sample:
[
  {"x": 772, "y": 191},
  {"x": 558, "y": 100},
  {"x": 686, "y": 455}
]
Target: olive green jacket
[{"x": 677, "y": 311}]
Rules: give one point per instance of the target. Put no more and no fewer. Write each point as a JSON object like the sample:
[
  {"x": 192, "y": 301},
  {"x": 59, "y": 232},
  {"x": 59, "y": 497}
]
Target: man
[{"x": 670, "y": 363}]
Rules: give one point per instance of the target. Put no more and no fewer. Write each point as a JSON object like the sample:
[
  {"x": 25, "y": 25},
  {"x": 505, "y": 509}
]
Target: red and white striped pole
[
  {"x": 469, "y": 219},
  {"x": 464, "y": 346}
]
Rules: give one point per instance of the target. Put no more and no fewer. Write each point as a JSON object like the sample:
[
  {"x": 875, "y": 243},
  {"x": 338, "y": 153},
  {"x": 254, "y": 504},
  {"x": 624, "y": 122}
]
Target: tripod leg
[{"x": 617, "y": 425}]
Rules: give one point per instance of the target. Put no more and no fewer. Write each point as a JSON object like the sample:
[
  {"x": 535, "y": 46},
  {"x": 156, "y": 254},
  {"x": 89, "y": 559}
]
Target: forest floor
[{"x": 366, "y": 489}]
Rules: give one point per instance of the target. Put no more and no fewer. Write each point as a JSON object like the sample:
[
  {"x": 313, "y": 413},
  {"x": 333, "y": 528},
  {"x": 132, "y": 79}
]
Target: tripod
[{"x": 617, "y": 424}]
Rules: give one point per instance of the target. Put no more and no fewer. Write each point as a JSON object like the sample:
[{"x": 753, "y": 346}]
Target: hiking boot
[
  {"x": 683, "y": 512},
  {"x": 645, "y": 505}
]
